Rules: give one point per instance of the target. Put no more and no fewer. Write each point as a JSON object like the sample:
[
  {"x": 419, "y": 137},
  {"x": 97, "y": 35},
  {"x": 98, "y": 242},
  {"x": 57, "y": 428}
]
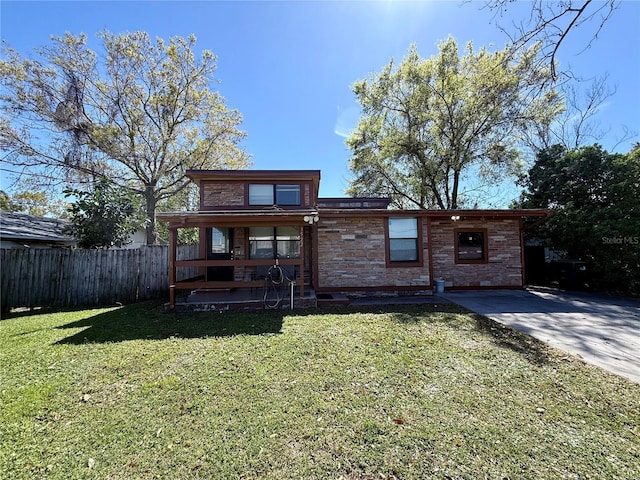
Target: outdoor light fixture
[
  {"x": 455, "y": 218},
  {"x": 311, "y": 219}
]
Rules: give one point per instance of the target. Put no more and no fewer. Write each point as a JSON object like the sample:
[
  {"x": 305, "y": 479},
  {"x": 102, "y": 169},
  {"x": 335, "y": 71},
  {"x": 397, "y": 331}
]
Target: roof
[
  {"x": 302, "y": 216},
  {"x": 30, "y": 228},
  {"x": 455, "y": 215},
  {"x": 254, "y": 175},
  {"x": 354, "y": 202}
]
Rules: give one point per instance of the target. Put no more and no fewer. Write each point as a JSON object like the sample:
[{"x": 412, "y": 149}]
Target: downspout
[{"x": 430, "y": 252}]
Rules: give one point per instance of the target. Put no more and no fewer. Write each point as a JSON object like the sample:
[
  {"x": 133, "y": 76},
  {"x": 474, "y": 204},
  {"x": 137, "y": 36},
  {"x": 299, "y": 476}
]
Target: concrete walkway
[{"x": 604, "y": 331}]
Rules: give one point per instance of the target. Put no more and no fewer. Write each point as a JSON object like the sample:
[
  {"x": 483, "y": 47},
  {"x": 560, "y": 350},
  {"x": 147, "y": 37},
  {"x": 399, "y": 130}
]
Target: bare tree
[
  {"x": 578, "y": 123},
  {"x": 551, "y": 22}
]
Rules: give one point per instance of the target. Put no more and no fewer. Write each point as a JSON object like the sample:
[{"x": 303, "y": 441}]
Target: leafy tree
[
  {"x": 426, "y": 123},
  {"x": 595, "y": 212},
  {"x": 138, "y": 113},
  {"x": 187, "y": 200},
  {"x": 105, "y": 217},
  {"x": 33, "y": 202},
  {"x": 6, "y": 204}
]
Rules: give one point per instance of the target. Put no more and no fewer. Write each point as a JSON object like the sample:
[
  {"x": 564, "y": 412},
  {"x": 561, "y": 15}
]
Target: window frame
[
  {"x": 270, "y": 239},
  {"x": 419, "y": 245},
  {"x": 283, "y": 186},
  {"x": 268, "y": 204},
  {"x": 225, "y": 247},
  {"x": 276, "y": 188},
  {"x": 485, "y": 246},
  {"x": 276, "y": 240}
]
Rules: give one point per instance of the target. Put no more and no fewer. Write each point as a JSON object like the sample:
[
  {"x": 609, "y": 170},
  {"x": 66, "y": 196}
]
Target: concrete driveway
[{"x": 603, "y": 331}]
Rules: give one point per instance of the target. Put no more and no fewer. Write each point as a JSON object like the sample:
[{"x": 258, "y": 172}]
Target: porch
[
  {"x": 263, "y": 297},
  {"x": 240, "y": 254}
]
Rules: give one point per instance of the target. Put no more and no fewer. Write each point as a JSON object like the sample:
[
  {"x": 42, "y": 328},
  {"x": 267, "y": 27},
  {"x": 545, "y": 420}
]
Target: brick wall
[
  {"x": 240, "y": 273},
  {"x": 306, "y": 196},
  {"x": 351, "y": 253},
  {"x": 222, "y": 194},
  {"x": 504, "y": 268}
]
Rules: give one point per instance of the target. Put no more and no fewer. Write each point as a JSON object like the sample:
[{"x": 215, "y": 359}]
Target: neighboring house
[
  {"x": 19, "y": 230},
  {"x": 136, "y": 240},
  {"x": 248, "y": 218}
]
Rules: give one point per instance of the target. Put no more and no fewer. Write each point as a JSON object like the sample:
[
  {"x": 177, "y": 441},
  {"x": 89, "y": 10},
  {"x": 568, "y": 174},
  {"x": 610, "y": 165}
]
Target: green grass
[{"x": 407, "y": 392}]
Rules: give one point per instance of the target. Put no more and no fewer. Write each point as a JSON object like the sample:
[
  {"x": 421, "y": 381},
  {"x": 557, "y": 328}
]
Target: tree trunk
[
  {"x": 454, "y": 192},
  {"x": 151, "y": 201}
]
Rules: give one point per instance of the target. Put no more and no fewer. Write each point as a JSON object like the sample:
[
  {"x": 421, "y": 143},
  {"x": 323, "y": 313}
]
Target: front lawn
[{"x": 397, "y": 392}]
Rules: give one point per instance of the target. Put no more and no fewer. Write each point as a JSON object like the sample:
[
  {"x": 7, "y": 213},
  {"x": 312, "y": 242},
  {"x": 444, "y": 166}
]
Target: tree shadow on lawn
[
  {"x": 147, "y": 321},
  {"x": 536, "y": 351}
]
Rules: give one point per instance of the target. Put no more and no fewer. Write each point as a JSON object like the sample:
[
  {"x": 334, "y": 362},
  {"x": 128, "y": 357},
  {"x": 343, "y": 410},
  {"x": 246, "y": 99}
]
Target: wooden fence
[{"x": 73, "y": 277}]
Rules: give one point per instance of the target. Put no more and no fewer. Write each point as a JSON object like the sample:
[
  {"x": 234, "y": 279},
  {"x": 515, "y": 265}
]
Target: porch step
[
  {"x": 330, "y": 299},
  {"x": 200, "y": 291}
]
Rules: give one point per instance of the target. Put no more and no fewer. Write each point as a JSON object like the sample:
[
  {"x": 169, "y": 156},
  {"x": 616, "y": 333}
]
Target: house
[
  {"x": 20, "y": 230},
  {"x": 136, "y": 240},
  {"x": 251, "y": 220}
]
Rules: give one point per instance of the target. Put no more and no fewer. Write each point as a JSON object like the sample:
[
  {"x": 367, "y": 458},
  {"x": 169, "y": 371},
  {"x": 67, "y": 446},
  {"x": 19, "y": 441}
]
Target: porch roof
[
  {"x": 296, "y": 217},
  {"x": 238, "y": 217}
]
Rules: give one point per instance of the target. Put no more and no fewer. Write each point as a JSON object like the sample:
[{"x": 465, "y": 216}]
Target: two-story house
[{"x": 250, "y": 220}]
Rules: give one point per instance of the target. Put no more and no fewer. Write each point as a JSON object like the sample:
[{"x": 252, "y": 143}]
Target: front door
[{"x": 220, "y": 247}]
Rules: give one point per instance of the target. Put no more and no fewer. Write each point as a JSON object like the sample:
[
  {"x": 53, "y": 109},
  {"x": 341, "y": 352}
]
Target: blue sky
[{"x": 288, "y": 66}]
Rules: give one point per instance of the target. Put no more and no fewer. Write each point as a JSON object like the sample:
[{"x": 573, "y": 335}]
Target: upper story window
[
  {"x": 270, "y": 194},
  {"x": 471, "y": 245},
  {"x": 287, "y": 194},
  {"x": 260, "y": 194},
  {"x": 403, "y": 241}
]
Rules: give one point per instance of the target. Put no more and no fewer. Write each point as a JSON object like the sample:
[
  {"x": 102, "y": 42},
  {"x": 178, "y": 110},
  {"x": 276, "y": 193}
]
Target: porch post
[
  {"x": 301, "y": 266},
  {"x": 173, "y": 245}
]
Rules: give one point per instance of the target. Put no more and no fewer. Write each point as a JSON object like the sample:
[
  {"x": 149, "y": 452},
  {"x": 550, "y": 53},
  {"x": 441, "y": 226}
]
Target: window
[
  {"x": 219, "y": 240},
  {"x": 270, "y": 194},
  {"x": 288, "y": 242},
  {"x": 288, "y": 194},
  {"x": 403, "y": 240},
  {"x": 267, "y": 242},
  {"x": 260, "y": 194},
  {"x": 471, "y": 245},
  {"x": 261, "y": 242}
]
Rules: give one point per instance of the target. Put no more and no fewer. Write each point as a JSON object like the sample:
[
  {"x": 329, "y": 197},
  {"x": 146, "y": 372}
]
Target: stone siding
[
  {"x": 504, "y": 268},
  {"x": 351, "y": 254},
  {"x": 222, "y": 194}
]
